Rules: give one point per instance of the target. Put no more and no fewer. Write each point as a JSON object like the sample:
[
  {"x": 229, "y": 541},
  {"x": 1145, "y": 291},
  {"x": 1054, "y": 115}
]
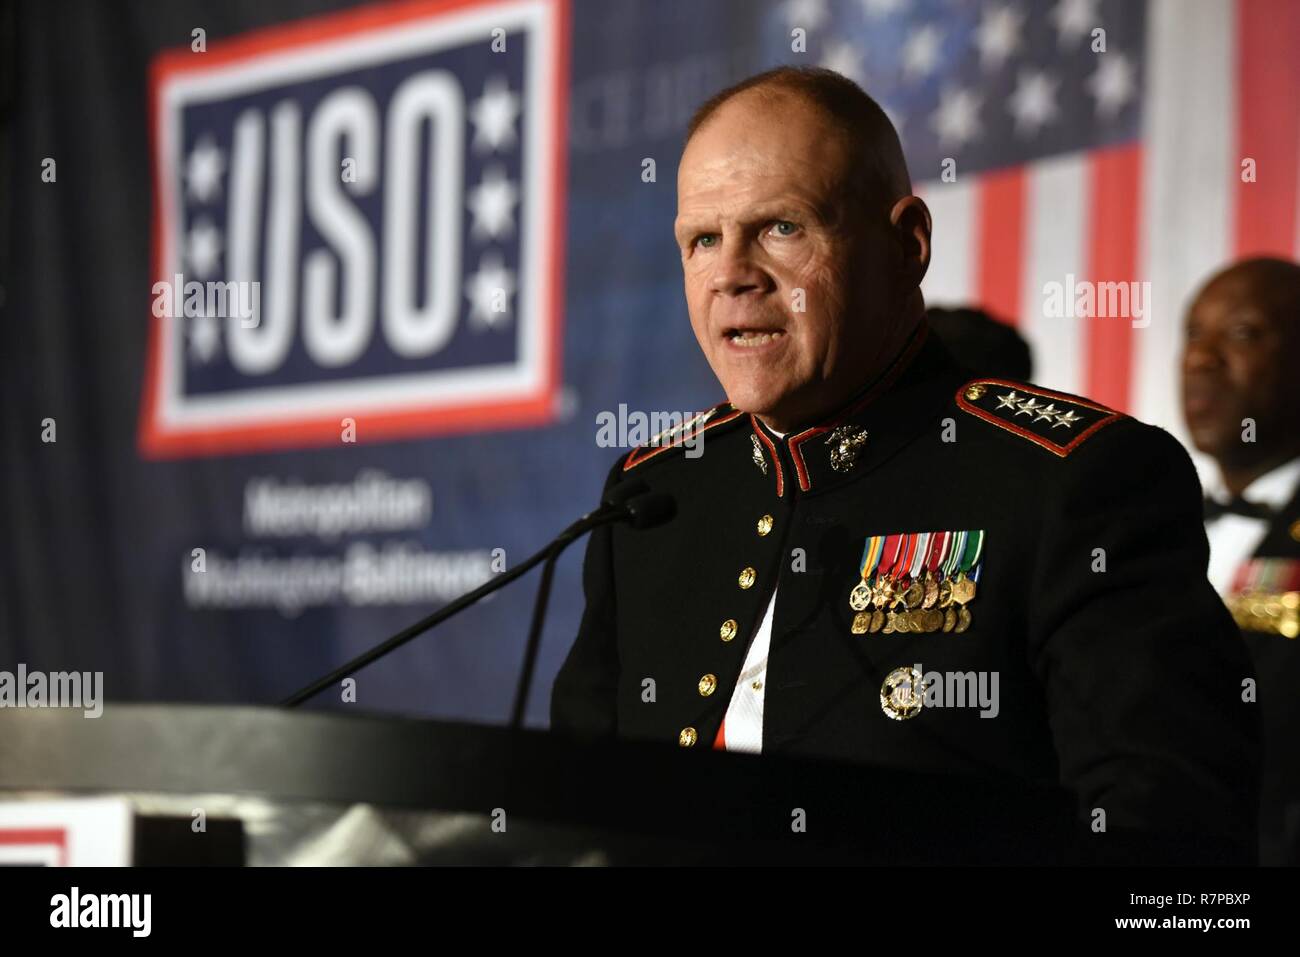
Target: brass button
[
  {"x": 976, "y": 392},
  {"x": 764, "y": 525},
  {"x": 728, "y": 629},
  {"x": 757, "y": 686},
  {"x": 707, "y": 685},
  {"x": 687, "y": 738},
  {"x": 747, "y": 578}
]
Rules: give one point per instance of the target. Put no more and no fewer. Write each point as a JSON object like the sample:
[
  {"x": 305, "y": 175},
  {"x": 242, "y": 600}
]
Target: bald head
[
  {"x": 1242, "y": 341},
  {"x": 875, "y": 156}
]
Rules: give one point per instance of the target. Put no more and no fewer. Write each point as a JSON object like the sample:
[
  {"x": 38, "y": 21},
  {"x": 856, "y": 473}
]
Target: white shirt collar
[{"x": 1274, "y": 488}]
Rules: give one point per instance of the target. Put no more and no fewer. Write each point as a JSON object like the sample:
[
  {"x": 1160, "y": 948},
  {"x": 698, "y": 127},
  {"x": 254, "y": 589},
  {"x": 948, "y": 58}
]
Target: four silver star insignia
[{"x": 1028, "y": 405}]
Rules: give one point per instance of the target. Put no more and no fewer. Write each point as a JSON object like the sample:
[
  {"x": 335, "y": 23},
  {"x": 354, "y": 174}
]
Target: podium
[{"x": 342, "y": 788}]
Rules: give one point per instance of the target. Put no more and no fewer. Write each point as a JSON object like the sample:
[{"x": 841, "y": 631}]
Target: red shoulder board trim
[
  {"x": 672, "y": 438},
  {"x": 1054, "y": 420}
]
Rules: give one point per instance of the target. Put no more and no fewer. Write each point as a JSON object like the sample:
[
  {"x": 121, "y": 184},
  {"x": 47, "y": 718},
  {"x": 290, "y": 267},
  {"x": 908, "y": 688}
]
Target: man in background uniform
[
  {"x": 1241, "y": 402},
  {"x": 878, "y": 558}
]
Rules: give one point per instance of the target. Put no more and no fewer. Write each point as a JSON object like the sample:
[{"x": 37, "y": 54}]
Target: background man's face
[
  {"x": 1235, "y": 354},
  {"x": 763, "y": 211}
]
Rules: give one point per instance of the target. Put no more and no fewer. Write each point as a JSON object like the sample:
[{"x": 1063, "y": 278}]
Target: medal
[
  {"x": 938, "y": 546},
  {"x": 861, "y": 621},
  {"x": 963, "y": 589},
  {"x": 861, "y": 595},
  {"x": 877, "y": 621}
]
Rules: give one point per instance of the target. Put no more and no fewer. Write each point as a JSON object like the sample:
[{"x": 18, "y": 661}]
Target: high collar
[{"x": 885, "y": 414}]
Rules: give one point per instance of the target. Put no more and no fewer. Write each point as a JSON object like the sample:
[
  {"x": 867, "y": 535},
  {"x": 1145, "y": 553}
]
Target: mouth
[
  {"x": 1202, "y": 405},
  {"x": 751, "y": 339}
]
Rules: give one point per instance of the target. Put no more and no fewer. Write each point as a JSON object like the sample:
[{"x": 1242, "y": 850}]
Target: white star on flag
[
  {"x": 921, "y": 51},
  {"x": 957, "y": 118},
  {"x": 809, "y": 14},
  {"x": 493, "y": 115},
  {"x": 844, "y": 60},
  {"x": 1113, "y": 83},
  {"x": 203, "y": 170},
  {"x": 491, "y": 284},
  {"x": 203, "y": 248},
  {"x": 880, "y": 8},
  {"x": 1034, "y": 102},
  {"x": 1074, "y": 19},
  {"x": 998, "y": 36},
  {"x": 492, "y": 204}
]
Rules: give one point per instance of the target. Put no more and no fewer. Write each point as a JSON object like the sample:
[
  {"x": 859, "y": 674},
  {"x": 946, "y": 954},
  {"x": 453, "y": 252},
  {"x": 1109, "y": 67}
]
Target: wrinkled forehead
[{"x": 763, "y": 143}]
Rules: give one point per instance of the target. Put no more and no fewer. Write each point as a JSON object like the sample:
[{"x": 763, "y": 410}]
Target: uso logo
[{"x": 358, "y": 218}]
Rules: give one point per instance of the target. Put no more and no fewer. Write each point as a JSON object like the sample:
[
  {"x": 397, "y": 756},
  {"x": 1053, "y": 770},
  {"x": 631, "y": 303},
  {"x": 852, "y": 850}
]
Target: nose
[
  {"x": 735, "y": 272},
  {"x": 1202, "y": 354}
]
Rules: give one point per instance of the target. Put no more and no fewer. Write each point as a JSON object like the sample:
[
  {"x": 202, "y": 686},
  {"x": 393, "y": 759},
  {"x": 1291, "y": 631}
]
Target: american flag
[{"x": 1108, "y": 140}]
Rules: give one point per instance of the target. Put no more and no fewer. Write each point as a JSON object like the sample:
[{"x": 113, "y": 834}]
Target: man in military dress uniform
[
  {"x": 1241, "y": 402},
  {"x": 865, "y": 517}
]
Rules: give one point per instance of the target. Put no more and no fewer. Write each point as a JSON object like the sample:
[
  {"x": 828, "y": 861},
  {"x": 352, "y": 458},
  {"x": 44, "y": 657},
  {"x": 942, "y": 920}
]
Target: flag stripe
[
  {"x": 1056, "y": 218},
  {"x": 1188, "y": 123},
  {"x": 999, "y": 233},
  {"x": 1268, "y": 125},
  {"x": 952, "y": 207},
  {"x": 1114, "y": 177}
]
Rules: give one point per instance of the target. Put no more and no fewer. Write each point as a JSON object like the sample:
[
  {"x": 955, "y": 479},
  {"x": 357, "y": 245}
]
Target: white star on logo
[
  {"x": 203, "y": 247},
  {"x": 1073, "y": 18},
  {"x": 998, "y": 36},
  {"x": 921, "y": 51},
  {"x": 493, "y": 115},
  {"x": 1034, "y": 102},
  {"x": 203, "y": 170},
  {"x": 492, "y": 204},
  {"x": 1113, "y": 84},
  {"x": 487, "y": 289},
  {"x": 205, "y": 337},
  {"x": 957, "y": 118}
]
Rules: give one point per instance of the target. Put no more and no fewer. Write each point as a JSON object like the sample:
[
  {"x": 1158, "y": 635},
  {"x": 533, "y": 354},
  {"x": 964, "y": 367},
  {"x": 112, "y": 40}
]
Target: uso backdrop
[{"x": 318, "y": 314}]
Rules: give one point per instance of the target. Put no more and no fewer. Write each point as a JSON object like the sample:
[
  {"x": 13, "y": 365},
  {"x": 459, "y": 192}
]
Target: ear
[{"x": 910, "y": 219}]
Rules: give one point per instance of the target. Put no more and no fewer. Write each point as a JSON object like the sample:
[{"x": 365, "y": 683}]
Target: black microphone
[{"x": 634, "y": 504}]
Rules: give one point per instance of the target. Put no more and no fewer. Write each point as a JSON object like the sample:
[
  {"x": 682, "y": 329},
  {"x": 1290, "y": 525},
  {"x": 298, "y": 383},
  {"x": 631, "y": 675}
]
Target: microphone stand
[{"x": 601, "y": 516}]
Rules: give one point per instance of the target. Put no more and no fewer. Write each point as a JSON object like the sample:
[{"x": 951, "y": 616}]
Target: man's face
[
  {"x": 778, "y": 259},
  {"x": 1238, "y": 341}
]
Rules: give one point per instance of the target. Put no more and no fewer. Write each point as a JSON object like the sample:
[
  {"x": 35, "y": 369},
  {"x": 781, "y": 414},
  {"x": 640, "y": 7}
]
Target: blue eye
[
  {"x": 785, "y": 227},
  {"x": 706, "y": 241}
]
